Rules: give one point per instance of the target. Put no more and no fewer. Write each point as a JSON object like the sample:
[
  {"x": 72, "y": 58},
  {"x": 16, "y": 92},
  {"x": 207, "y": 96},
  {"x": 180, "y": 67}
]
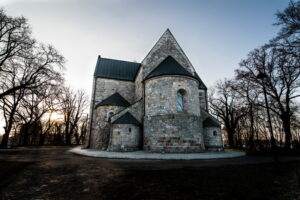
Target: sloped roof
[
  {"x": 201, "y": 84},
  {"x": 169, "y": 66},
  {"x": 127, "y": 118},
  {"x": 208, "y": 122},
  {"x": 114, "y": 100},
  {"x": 116, "y": 69}
]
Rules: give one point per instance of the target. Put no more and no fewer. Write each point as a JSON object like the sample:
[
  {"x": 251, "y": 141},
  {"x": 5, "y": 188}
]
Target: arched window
[
  {"x": 215, "y": 133},
  {"x": 180, "y": 95}
]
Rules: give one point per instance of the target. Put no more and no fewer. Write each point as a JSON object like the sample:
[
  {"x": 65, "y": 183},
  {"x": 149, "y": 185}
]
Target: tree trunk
[
  {"x": 25, "y": 135},
  {"x": 287, "y": 130},
  {"x": 68, "y": 139},
  {"x": 4, "y": 141},
  {"x": 230, "y": 134},
  {"x": 41, "y": 140}
]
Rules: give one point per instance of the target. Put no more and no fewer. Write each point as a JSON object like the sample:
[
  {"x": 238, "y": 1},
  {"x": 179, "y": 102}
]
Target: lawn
[{"x": 37, "y": 180}]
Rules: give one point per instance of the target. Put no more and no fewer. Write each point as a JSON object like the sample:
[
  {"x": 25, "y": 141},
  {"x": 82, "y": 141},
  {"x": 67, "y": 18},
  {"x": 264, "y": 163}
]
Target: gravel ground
[{"x": 54, "y": 173}]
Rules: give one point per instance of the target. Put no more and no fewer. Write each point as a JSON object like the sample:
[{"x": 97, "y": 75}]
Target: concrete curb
[{"x": 157, "y": 156}]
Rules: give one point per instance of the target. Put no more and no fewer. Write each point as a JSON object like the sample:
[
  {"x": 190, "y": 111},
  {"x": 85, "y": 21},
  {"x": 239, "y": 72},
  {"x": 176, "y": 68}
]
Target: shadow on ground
[{"x": 53, "y": 173}]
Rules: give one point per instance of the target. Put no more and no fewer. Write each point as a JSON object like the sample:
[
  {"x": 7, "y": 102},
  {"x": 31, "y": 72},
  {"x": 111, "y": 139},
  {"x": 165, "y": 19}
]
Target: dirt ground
[{"x": 54, "y": 173}]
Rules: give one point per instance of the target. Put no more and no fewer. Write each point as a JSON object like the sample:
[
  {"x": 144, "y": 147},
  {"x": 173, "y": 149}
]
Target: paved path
[{"x": 158, "y": 156}]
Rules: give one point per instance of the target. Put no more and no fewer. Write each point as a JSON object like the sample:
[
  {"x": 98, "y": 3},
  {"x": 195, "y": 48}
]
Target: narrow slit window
[{"x": 180, "y": 100}]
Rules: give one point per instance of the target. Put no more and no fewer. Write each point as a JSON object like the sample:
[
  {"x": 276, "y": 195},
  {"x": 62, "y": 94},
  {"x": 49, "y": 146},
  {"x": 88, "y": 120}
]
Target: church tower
[{"x": 172, "y": 121}]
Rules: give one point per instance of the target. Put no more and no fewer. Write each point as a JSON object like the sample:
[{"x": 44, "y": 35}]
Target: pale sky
[{"x": 215, "y": 34}]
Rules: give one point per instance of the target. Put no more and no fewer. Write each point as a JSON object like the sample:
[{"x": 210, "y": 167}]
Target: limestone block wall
[
  {"x": 165, "y": 46},
  {"x": 136, "y": 109},
  {"x": 125, "y": 137},
  {"x": 213, "y": 138},
  {"x": 202, "y": 99},
  {"x": 173, "y": 133},
  {"x": 100, "y": 128},
  {"x": 107, "y": 87},
  {"x": 161, "y": 95},
  {"x": 139, "y": 85}
]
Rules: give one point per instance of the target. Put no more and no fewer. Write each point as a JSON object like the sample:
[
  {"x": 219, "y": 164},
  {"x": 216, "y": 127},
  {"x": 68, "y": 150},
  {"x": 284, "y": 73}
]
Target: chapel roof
[
  {"x": 116, "y": 69},
  {"x": 169, "y": 66},
  {"x": 127, "y": 118},
  {"x": 114, "y": 100},
  {"x": 208, "y": 122}
]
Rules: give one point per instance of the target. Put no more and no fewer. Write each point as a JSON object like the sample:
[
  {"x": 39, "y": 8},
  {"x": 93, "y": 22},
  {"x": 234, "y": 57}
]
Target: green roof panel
[
  {"x": 114, "y": 100},
  {"x": 127, "y": 118},
  {"x": 116, "y": 69}
]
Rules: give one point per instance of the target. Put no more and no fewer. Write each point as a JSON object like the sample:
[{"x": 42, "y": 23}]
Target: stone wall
[
  {"x": 100, "y": 129},
  {"x": 161, "y": 95},
  {"x": 212, "y": 142},
  {"x": 165, "y": 46},
  {"x": 136, "y": 109},
  {"x": 202, "y": 99},
  {"x": 139, "y": 85},
  {"x": 125, "y": 137},
  {"x": 107, "y": 87},
  {"x": 213, "y": 138},
  {"x": 173, "y": 133}
]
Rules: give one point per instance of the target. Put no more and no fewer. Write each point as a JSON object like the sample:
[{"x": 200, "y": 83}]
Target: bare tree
[
  {"x": 289, "y": 23},
  {"x": 41, "y": 68},
  {"x": 281, "y": 81},
  {"x": 33, "y": 108},
  {"x": 81, "y": 130},
  {"x": 73, "y": 106},
  {"x": 248, "y": 93},
  {"x": 15, "y": 38},
  {"x": 225, "y": 105}
]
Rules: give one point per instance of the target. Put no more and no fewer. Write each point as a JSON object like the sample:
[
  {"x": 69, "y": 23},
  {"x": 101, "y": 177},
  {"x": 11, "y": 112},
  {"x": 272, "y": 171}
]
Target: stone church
[{"x": 158, "y": 105}]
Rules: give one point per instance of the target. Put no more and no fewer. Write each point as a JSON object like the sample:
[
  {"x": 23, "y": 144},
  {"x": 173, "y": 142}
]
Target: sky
[{"x": 215, "y": 34}]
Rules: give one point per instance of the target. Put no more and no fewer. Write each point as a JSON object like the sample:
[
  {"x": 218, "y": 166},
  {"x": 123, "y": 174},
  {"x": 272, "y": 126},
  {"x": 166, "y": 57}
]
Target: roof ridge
[{"x": 120, "y": 60}]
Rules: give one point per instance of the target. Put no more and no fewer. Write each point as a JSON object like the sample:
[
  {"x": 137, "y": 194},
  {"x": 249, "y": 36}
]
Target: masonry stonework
[
  {"x": 106, "y": 87},
  {"x": 158, "y": 105},
  {"x": 212, "y": 139},
  {"x": 173, "y": 133},
  {"x": 161, "y": 95},
  {"x": 125, "y": 137}
]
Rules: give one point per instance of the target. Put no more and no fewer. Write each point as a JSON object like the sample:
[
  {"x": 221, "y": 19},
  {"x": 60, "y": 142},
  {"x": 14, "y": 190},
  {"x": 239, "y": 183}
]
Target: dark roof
[
  {"x": 114, "y": 100},
  {"x": 127, "y": 118},
  {"x": 116, "y": 69},
  {"x": 208, "y": 122},
  {"x": 169, "y": 66},
  {"x": 201, "y": 84}
]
